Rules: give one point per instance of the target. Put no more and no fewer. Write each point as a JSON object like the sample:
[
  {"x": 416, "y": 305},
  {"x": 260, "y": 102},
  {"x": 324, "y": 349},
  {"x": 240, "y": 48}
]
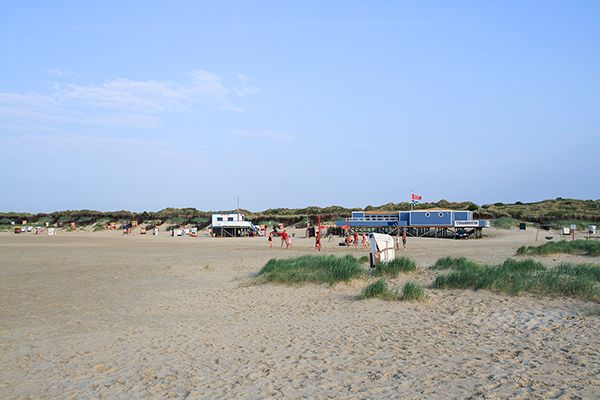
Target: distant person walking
[
  {"x": 364, "y": 241},
  {"x": 284, "y": 237},
  {"x": 404, "y": 239},
  {"x": 318, "y": 242},
  {"x": 356, "y": 239},
  {"x": 270, "y": 240},
  {"x": 288, "y": 242}
]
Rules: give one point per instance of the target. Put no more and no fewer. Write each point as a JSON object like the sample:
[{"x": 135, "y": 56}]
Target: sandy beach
[{"x": 100, "y": 315}]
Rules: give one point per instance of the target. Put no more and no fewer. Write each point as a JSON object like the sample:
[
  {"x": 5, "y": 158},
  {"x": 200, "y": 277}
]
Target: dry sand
[{"x": 98, "y": 315}]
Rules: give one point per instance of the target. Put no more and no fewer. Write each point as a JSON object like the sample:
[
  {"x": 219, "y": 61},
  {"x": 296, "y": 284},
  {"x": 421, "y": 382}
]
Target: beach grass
[
  {"x": 412, "y": 291},
  {"x": 523, "y": 276},
  {"x": 453, "y": 263},
  {"x": 396, "y": 266},
  {"x": 591, "y": 271},
  {"x": 379, "y": 289},
  {"x": 580, "y": 247},
  {"x": 312, "y": 269},
  {"x": 363, "y": 259}
]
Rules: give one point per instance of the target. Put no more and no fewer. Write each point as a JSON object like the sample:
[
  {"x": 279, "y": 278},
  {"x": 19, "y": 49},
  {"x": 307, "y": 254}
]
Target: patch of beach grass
[
  {"x": 379, "y": 289},
  {"x": 412, "y": 291},
  {"x": 312, "y": 269},
  {"x": 580, "y": 247},
  {"x": 591, "y": 271},
  {"x": 363, "y": 259},
  {"x": 522, "y": 276},
  {"x": 396, "y": 266},
  {"x": 453, "y": 263}
]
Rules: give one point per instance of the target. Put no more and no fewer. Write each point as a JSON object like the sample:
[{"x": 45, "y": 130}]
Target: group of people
[
  {"x": 354, "y": 240},
  {"x": 351, "y": 240},
  {"x": 286, "y": 239}
]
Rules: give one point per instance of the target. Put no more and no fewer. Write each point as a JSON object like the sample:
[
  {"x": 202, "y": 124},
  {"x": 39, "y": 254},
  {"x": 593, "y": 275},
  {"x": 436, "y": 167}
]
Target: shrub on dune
[
  {"x": 312, "y": 268},
  {"x": 524, "y": 276},
  {"x": 413, "y": 292},
  {"x": 378, "y": 289},
  {"x": 582, "y": 247},
  {"x": 394, "y": 267}
]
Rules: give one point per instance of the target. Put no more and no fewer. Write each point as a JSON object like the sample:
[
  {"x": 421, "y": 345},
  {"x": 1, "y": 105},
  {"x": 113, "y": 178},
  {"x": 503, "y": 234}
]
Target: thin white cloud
[
  {"x": 277, "y": 136},
  {"x": 120, "y": 101},
  {"x": 245, "y": 87}
]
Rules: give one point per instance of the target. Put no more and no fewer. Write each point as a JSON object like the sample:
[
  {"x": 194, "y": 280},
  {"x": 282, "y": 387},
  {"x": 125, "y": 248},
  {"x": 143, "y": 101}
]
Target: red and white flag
[{"x": 416, "y": 197}]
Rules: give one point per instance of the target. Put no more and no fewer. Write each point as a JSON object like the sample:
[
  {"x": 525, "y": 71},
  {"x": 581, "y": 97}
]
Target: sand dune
[{"x": 98, "y": 315}]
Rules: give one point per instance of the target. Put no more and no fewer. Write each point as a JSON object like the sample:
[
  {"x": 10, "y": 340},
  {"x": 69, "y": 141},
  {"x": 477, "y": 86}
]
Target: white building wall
[{"x": 219, "y": 219}]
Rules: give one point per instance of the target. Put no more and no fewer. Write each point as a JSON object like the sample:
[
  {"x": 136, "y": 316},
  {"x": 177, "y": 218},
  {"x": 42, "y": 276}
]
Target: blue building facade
[{"x": 413, "y": 219}]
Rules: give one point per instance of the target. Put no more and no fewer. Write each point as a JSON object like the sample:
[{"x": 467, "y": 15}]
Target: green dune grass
[
  {"x": 523, "y": 276},
  {"x": 312, "y": 269},
  {"x": 582, "y": 247},
  {"x": 396, "y": 266}
]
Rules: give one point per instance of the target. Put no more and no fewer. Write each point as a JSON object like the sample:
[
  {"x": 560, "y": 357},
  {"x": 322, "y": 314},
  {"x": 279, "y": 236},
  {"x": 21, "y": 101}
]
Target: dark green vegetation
[
  {"x": 363, "y": 259},
  {"x": 517, "y": 277},
  {"x": 378, "y": 289},
  {"x": 411, "y": 291},
  {"x": 581, "y": 247},
  {"x": 454, "y": 263},
  {"x": 590, "y": 271},
  {"x": 396, "y": 266},
  {"x": 312, "y": 269},
  {"x": 582, "y": 212}
]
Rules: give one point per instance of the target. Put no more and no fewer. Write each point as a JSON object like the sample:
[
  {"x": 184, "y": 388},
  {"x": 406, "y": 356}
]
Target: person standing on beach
[
  {"x": 288, "y": 242},
  {"x": 284, "y": 236},
  {"x": 270, "y": 240},
  {"x": 356, "y": 239},
  {"x": 404, "y": 239},
  {"x": 364, "y": 241},
  {"x": 318, "y": 242}
]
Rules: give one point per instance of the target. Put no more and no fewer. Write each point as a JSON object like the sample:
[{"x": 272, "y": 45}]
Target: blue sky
[{"x": 145, "y": 105}]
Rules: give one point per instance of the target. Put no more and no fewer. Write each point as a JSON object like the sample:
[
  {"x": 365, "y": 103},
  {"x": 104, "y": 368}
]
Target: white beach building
[{"x": 231, "y": 224}]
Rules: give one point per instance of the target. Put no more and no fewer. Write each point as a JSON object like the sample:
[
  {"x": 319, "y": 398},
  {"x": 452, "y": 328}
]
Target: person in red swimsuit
[{"x": 284, "y": 236}]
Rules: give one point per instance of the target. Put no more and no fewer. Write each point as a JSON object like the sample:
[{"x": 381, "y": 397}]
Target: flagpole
[{"x": 411, "y": 200}]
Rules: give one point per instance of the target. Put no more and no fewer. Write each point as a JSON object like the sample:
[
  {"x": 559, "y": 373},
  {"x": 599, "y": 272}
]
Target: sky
[{"x": 142, "y": 105}]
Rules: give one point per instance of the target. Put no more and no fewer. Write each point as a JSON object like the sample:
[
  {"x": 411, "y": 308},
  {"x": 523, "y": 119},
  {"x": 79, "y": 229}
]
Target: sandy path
[{"x": 99, "y": 315}]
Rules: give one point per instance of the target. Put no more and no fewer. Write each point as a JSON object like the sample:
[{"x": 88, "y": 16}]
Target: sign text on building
[{"x": 473, "y": 223}]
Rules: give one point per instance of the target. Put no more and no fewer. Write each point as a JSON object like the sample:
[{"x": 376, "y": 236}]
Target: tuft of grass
[
  {"x": 378, "y": 289},
  {"x": 591, "y": 271},
  {"x": 581, "y": 247},
  {"x": 312, "y": 268},
  {"x": 453, "y": 263},
  {"x": 413, "y": 292},
  {"x": 396, "y": 266},
  {"x": 363, "y": 259},
  {"x": 523, "y": 276}
]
